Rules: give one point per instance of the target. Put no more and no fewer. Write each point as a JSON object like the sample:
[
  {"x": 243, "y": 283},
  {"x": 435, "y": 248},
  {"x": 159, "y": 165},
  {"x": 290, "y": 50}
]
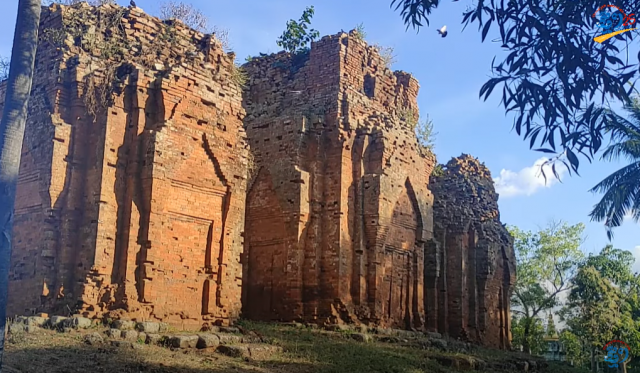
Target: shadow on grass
[
  {"x": 109, "y": 359},
  {"x": 333, "y": 354},
  {"x": 305, "y": 351}
]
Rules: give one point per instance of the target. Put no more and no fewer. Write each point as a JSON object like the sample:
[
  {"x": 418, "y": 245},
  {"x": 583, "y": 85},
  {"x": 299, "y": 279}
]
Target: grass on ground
[{"x": 306, "y": 351}]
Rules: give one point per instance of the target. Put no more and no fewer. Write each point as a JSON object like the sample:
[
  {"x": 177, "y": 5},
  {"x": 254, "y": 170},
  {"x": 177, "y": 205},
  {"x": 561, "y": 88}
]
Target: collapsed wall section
[
  {"x": 133, "y": 174},
  {"x": 338, "y": 211}
]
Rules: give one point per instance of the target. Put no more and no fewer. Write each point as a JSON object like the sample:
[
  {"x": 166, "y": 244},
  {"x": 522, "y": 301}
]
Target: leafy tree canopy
[
  {"x": 603, "y": 303},
  {"x": 528, "y": 333},
  {"x": 546, "y": 262},
  {"x": 556, "y": 80},
  {"x": 296, "y": 38}
]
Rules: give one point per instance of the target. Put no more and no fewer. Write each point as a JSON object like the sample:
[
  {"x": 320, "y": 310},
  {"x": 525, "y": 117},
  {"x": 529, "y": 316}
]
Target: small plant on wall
[
  {"x": 298, "y": 36},
  {"x": 360, "y": 32},
  {"x": 425, "y": 134}
]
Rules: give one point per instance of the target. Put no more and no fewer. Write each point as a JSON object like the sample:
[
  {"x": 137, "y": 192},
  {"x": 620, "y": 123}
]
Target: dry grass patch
[{"x": 305, "y": 351}]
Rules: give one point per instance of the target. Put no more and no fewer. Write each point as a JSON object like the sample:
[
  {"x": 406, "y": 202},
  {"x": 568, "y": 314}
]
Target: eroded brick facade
[
  {"x": 340, "y": 216},
  {"x": 470, "y": 266},
  {"x": 339, "y": 211},
  {"x": 140, "y": 208}
]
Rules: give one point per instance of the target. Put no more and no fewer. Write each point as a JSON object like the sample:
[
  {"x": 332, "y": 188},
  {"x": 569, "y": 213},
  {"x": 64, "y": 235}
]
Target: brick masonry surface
[
  {"x": 153, "y": 187},
  {"x": 139, "y": 209}
]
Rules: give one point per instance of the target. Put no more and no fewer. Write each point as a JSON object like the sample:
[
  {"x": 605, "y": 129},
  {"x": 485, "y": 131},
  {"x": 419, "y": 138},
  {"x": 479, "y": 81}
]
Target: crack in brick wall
[{"x": 144, "y": 211}]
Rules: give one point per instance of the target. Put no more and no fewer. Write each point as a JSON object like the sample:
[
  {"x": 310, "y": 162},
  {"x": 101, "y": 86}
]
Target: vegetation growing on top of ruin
[
  {"x": 239, "y": 75},
  {"x": 297, "y": 37},
  {"x": 423, "y": 129},
  {"x": 438, "y": 170},
  {"x": 360, "y": 34},
  {"x": 425, "y": 134},
  {"x": 99, "y": 32},
  {"x": 387, "y": 54},
  {"x": 408, "y": 116},
  {"x": 195, "y": 19}
]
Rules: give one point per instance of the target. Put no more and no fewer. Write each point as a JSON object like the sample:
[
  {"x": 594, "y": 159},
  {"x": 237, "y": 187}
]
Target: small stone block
[
  {"x": 148, "y": 327},
  {"x": 153, "y": 339},
  {"x": 183, "y": 341},
  {"x": 208, "y": 341},
  {"x": 124, "y": 324},
  {"x": 129, "y": 335},
  {"x": 227, "y": 339},
  {"x": 234, "y": 351},
  {"x": 229, "y": 329},
  {"x": 114, "y": 333},
  {"x": 56, "y": 321}
]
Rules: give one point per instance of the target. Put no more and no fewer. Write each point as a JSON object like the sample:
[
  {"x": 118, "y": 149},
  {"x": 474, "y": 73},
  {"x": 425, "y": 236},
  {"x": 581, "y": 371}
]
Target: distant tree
[
  {"x": 546, "y": 261},
  {"x": 621, "y": 189},
  {"x": 603, "y": 303},
  {"x": 574, "y": 347},
  {"x": 297, "y": 37},
  {"x": 529, "y": 332},
  {"x": 12, "y": 125},
  {"x": 556, "y": 79}
]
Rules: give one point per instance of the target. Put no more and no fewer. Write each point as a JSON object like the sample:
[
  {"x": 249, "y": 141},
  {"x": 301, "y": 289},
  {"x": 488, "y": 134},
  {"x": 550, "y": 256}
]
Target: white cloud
[
  {"x": 526, "y": 181},
  {"x": 628, "y": 217}
]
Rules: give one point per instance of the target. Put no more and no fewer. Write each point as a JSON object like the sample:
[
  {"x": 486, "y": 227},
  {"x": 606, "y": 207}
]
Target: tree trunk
[
  {"x": 526, "y": 346},
  {"x": 594, "y": 367},
  {"x": 14, "y": 117}
]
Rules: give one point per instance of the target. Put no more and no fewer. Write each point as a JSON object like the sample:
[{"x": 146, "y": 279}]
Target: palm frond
[
  {"x": 621, "y": 196},
  {"x": 629, "y": 149}
]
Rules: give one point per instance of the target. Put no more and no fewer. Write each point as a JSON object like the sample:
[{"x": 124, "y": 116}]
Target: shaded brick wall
[
  {"x": 342, "y": 186},
  {"x": 471, "y": 264},
  {"x": 139, "y": 209}
]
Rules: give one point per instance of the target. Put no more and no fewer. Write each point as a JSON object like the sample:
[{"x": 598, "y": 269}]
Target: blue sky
[{"x": 451, "y": 71}]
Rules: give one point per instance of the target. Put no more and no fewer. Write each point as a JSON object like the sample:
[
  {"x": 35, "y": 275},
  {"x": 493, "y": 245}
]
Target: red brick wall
[
  {"x": 468, "y": 296},
  {"x": 349, "y": 209},
  {"x": 142, "y": 208}
]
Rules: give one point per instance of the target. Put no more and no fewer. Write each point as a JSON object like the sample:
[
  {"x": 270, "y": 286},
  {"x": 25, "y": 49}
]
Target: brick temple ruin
[{"x": 153, "y": 186}]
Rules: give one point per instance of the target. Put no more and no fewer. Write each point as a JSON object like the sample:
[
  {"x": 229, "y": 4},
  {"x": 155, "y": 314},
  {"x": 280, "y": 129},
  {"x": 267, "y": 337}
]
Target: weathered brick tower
[
  {"x": 340, "y": 218},
  {"x": 470, "y": 266},
  {"x": 136, "y": 171},
  {"x": 139, "y": 208},
  {"x": 339, "y": 210}
]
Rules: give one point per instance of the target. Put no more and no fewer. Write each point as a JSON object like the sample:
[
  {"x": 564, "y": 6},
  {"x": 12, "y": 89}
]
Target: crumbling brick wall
[
  {"x": 339, "y": 210},
  {"x": 133, "y": 174},
  {"x": 470, "y": 266}
]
